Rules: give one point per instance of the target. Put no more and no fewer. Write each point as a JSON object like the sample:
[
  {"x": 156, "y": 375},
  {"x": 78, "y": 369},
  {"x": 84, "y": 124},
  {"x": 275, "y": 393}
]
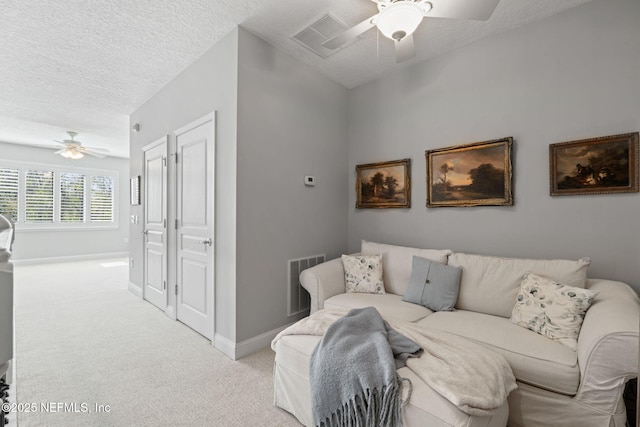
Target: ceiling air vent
[{"x": 319, "y": 32}]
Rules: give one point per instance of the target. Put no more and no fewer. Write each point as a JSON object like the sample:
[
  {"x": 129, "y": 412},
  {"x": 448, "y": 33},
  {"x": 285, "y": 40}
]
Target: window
[
  {"x": 102, "y": 198},
  {"x": 72, "y": 201},
  {"x": 9, "y": 192},
  {"x": 44, "y": 196},
  {"x": 38, "y": 205}
]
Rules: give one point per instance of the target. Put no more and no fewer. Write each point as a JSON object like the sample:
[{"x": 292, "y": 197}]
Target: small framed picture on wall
[
  {"x": 134, "y": 190},
  {"x": 384, "y": 184}
]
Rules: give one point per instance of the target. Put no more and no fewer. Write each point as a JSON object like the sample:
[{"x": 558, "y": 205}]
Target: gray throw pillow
[{"x": 433, "y": 285}]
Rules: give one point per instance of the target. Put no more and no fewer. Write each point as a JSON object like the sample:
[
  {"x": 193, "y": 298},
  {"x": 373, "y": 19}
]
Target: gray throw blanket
[{"x": 353, "y": 372}]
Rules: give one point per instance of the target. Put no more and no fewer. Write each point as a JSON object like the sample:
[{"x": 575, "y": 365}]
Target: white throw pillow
[
  {"x": 363, "y": 273},
  {"x": 552, "y": 309}
]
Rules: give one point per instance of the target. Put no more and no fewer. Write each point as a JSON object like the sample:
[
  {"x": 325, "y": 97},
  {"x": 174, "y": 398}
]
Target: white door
[
  {"x": 195, "y": 218},
  {"x": 155, "y": 223}
]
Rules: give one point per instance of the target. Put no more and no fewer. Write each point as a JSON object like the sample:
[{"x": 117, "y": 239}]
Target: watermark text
[{"x": 53, "y": 407}]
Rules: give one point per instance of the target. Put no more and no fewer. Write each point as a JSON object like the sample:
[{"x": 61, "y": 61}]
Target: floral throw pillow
[
  {"x": 363, "y": 273},
  {"x": 552, "y": 309}
]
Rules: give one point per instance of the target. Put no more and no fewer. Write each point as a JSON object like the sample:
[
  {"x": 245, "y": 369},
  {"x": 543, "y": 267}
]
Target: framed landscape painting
[
  {"x": 384, "y": 184},
  {"x": 477, "y": 174},
  {"x": 604, "y": 165}
]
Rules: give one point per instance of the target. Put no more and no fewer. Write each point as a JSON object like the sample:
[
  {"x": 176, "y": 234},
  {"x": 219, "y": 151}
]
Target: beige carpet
[{"x": 85, "y": 343}]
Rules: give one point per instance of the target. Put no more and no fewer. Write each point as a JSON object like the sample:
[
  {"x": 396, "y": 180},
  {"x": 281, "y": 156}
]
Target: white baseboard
[
  {"x": 225, "y": 345},
  {"x": 72, "y": 258},
  {"x": 242, "y": 349},
  {"x": 135, "y": 289}
]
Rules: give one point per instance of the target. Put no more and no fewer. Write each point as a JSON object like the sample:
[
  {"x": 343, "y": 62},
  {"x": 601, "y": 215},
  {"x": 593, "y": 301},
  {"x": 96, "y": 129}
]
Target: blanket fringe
[{"x": 372, "y": 408}]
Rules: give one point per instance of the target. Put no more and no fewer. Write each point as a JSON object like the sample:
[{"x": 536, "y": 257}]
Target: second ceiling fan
[
  {"x": 398, "y": 19},
  {"x": 73, "y": 149}
]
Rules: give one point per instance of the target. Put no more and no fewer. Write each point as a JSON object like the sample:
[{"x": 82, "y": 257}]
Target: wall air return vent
[
  {"x": 319, "y": 32},
  {"x": 297, "y": 297}
]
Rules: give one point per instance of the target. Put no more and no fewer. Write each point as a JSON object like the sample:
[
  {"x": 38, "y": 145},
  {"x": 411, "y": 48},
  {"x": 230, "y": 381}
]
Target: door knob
[{"x": 207, "y": 242}]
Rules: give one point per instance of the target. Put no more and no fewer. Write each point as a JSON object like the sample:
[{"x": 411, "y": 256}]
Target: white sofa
[{"x": 557, "y": 386}]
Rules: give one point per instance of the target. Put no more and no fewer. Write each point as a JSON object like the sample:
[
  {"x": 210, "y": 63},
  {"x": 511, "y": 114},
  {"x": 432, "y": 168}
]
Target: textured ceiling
[{"x": 85, "y": 65}]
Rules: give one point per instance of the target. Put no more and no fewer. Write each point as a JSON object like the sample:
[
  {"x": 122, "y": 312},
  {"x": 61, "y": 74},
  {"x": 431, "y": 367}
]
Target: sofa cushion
[
  {"x": 552, "y": 309},
  {"x": 433, "y": 285},
  {"x": 389, "y": 306},
  {"x": 490, "y": 284},
  {"x": 363, "y": 273},
  {"x": 425, "y": 408},
  {"x": 294, "y": 351},
  {"x": 396, "y": 262},
  {"x": 534, "y": 359}
]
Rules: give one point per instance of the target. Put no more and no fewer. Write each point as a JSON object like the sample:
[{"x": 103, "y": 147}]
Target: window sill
[{"x": 36, "y": 228}]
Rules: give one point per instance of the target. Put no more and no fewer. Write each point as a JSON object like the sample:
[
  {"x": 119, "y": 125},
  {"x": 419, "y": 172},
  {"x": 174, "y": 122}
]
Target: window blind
[
  {"x": 38, "y": 196},
  {"x": 72, "y": 190},
  {"x": 9, "y": 187},
  {"x": 102, "y": 198}
]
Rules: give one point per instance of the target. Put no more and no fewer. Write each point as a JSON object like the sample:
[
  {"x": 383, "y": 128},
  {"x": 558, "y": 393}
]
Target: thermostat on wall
[{"x": 309, "y": 180}]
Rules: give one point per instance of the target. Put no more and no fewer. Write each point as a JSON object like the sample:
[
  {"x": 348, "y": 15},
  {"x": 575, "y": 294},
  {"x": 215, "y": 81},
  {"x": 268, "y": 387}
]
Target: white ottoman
[{"x": 425, "y": 409}]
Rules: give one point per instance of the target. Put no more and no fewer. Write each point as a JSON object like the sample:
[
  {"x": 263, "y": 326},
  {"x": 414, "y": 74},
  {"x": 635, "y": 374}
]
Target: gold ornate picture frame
[
  {"x": 477, "y": 174},
  {"x": 603, "y": 165},
  {"x": 384, "y": 184}
]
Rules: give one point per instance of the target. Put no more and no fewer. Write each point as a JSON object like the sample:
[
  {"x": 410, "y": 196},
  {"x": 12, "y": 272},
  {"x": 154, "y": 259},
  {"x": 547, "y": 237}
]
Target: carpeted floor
[{"x": 89, "y": 353}]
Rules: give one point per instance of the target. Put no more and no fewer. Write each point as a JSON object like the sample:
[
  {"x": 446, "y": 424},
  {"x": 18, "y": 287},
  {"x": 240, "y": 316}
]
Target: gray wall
[
  {"x": 571, "y": 76},
  {"x": 292, "y": 122},
  {"x": 208, "y": 84},
  {"x": 32, "y": 244},
  {"x": 277, "y": 120}
]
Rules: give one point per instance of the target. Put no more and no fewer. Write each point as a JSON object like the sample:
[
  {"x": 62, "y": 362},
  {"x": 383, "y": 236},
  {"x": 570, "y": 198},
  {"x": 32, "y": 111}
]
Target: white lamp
[{"x": 399, "y": 20}]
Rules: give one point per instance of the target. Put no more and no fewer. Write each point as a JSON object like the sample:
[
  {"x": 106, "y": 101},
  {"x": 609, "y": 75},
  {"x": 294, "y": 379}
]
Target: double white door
[{"x": 187, "y": 242}]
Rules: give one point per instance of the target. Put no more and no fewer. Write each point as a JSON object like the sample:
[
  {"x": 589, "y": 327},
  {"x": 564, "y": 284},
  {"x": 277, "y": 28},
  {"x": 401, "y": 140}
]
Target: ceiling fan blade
[
  {"x": 350, "y": 34},
  {"x": 103, "y": 150},
  {"x": 60, "y": 151},
  {"x": 405, "y": 49},
  {"x": 60, "y": 142},
  {"x": 93, "y": 153},
  {"x": 477, "y": 10}
]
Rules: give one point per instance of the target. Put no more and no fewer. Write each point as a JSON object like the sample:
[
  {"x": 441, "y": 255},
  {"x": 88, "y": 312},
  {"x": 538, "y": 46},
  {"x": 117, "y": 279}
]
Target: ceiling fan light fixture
[
  {"x": 72, "y": 154},
  {"x": 399, "y": 20}
]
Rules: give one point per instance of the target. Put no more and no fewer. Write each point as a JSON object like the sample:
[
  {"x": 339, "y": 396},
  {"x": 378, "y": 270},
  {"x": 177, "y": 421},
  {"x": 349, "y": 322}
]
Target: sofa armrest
[
  {"x": 323, "y": 281},
  {"x": 608, "y": 344}
]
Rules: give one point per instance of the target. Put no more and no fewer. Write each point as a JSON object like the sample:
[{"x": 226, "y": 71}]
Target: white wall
[
  {"x": 292, "y": 122},
  {"x": 32, "y": 244},
  {"x": 569, "y": 77}
]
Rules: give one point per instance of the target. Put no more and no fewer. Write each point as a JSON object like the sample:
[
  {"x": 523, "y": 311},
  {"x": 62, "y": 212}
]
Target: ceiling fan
[
  {"x": 398, "y": 19},
  {"x": 74, "y": 150}
]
